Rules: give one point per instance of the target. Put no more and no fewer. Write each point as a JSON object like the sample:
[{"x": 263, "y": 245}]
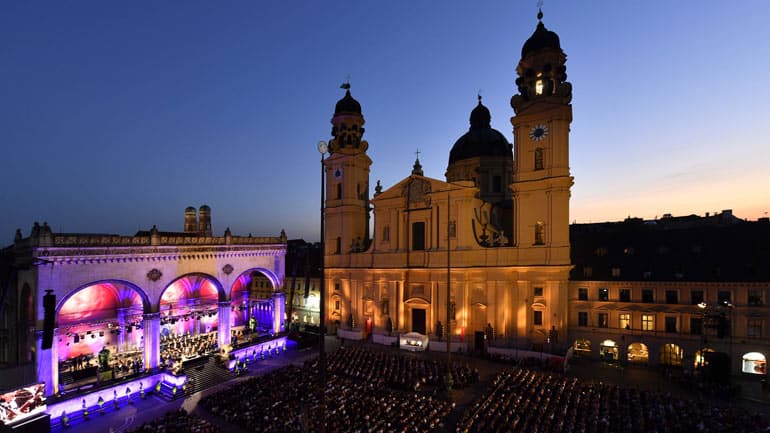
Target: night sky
[{"x": 115, "y": 116}]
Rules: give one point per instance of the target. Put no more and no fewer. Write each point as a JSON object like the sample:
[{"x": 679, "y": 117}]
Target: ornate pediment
[{"x": 417, "y": 192}]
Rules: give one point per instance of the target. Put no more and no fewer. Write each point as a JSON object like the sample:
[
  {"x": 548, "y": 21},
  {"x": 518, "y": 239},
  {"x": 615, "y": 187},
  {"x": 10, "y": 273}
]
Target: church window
[
  {"x": 537, "y": 318},
  {"x": 337, "y": 305},
  {"x": 615, "y": 271},
  {"x": 538, "y": 291},
  {"x": 588, "y": 272},
  {"x": 339, "y": 191},
  {"x": 338, "y": 247},
  {"x": 418, "y": 236},
  {"x": 539, "y": 158},
  {"x": 539, "y": 233},
  {"x": 539, "y": 85},
  {"x": 386, "y": 233}
]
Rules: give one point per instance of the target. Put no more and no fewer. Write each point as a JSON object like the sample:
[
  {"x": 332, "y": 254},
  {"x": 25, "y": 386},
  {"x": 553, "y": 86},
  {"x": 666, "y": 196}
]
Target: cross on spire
[{"x": 417, "y": 153}]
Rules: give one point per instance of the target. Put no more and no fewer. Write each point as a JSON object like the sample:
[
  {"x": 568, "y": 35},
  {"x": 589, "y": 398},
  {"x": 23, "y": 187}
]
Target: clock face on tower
[
  {"x": 338, "y": 173},
  {"x": 538, "y": 132}
]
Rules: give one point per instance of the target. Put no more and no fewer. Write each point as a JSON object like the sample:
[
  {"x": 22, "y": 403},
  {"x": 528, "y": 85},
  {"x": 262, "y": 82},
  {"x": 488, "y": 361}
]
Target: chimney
[
  {"x": 204, "y": 221},
  {"x": 190, "y": 220}
]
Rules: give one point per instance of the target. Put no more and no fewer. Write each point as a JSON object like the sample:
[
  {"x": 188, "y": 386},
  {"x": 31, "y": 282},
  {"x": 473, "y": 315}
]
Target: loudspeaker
[{"x": 49, "y": 318}]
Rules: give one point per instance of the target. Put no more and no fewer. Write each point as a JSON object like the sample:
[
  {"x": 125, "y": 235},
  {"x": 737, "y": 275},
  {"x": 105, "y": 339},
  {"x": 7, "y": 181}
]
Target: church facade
[{"x": 485, "y": 249}]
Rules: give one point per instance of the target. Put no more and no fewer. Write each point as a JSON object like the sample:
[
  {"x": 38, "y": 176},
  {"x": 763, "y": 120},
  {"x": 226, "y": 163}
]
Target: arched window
[
  {"x": 339, "y": 191},
  {"x": 754, "y": 363},
  {"x": 539, "y": 158}
]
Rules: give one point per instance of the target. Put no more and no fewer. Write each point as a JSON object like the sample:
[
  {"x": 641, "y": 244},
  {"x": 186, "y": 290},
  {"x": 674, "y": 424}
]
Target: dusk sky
[{"x": 115, "y": 116}]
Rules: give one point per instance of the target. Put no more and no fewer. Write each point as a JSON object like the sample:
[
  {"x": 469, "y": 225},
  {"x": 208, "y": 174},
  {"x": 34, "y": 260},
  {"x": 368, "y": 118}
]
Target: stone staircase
[{"x": 205, "y": 375}]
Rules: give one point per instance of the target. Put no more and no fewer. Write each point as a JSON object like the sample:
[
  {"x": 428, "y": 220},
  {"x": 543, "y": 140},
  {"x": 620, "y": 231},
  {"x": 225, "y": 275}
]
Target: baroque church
[{"x": 485, "y": 249}]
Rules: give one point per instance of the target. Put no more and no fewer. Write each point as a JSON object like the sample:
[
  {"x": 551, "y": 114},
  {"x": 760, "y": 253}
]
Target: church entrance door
[{"x": 418, "y": 320}]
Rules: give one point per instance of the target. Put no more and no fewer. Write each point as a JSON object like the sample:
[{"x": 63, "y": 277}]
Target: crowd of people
[
  {"x": 366, "y": 391},
  {"x": 177, "y": 348},
  {"x": 396, "y": 370},
  {"x": 178, "y": 421},
  {"x": 523, "y": 400}
]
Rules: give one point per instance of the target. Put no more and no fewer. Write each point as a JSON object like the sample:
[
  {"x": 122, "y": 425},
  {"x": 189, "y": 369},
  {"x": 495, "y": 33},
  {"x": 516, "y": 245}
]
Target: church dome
[
  {"x": 481, "y": 139},
  {"x": 542, "y": 38},
  {"x": 347, "y": 105}
]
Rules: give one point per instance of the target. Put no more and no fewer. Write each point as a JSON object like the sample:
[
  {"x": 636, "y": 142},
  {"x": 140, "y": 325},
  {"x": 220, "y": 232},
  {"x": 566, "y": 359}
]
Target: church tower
[
  {"x": 541, "y": 179},
  {"x": 347, "y": 180}
]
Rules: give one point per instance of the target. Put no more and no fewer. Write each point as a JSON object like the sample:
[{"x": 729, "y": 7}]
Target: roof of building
[
  {"x": 542, "y": 38},
  {"x": 691, "y": 248},
  {"x": 480, "y": 140}
]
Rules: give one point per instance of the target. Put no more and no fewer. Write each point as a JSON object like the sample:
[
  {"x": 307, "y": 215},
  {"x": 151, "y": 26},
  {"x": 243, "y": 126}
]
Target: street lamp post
[{"x": 322, "y": 149}]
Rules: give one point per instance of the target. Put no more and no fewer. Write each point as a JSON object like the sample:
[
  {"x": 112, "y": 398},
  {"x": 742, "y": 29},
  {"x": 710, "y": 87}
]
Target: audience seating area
[{"x": 523, "y": 400}]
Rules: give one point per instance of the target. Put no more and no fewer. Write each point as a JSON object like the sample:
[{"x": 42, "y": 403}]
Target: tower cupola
[
  {"x": 347, "y": 126},
  {"x": 542, "y": 73}
]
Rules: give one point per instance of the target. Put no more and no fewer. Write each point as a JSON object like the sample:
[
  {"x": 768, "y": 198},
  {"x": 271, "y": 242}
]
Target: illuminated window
[
  {"x": 582, "y": 318},
  {"x": 616, "y": 272},
  {"x": 539, "y": 233},
  {"x": 648, "y": 322},
  {"x": 624, "y": 321},
  {"x": 604, "y": 294},
  {"x": 539, "y": 158},
  {"x": 539, "y": 87},
  {"x": 604, "y": 320},
  {"x": 538, "y": 318},
  {"x": 337, "y": 305}
]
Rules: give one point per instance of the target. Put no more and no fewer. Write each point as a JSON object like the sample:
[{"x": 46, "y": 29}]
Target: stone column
[
  {"x": 279, "y": 308},
  {"x": 224, "y": 324},
  {"x": 121, "y": 329},
  {"x": 151, "y": 329},
  {"x": 47, "y": 363}
]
